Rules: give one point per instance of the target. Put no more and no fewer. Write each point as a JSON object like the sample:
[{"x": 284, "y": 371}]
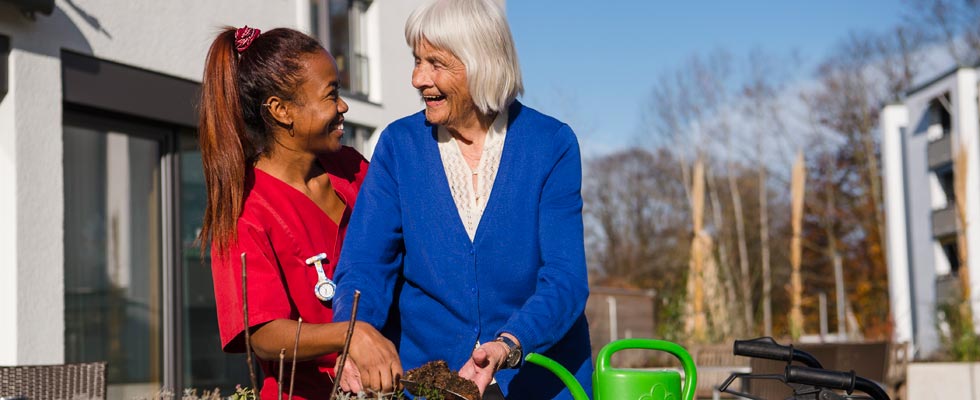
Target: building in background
[
  {"x": 921, "y": 139},
  {"x": 103, "y": 191}
]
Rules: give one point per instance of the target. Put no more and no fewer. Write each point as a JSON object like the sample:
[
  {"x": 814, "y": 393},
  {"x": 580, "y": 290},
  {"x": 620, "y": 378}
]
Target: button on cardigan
[{"x": 434, "y": 292}]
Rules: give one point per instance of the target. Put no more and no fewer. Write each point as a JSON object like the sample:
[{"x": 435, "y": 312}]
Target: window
[
  {"x": 945, "y": 179},
  {"x": 114, "y": 252},
  {"x": 952, "y": 254},
  {"x": 940, "y": 121},
  {"x": 342, "y": 26},
  {"x": 356, "y": 136}
]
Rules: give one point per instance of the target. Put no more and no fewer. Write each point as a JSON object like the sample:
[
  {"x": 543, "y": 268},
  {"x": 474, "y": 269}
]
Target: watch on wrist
[{"x": 515, "y": 353}]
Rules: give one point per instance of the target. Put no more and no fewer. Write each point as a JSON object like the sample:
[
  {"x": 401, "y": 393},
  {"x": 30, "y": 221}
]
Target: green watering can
[{"x": 610, "y": 383}]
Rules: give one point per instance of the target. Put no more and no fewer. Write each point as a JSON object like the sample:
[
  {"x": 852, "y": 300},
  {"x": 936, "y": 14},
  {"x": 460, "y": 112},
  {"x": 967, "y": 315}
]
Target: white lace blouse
[{"x": 471, "y": 201}]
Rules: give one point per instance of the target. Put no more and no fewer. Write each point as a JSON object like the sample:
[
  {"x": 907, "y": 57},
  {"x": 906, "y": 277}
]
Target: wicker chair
[{"x": 54, "y": 382}]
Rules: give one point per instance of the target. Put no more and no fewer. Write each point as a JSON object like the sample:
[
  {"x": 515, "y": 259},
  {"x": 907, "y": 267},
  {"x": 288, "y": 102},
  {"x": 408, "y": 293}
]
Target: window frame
[{"x": 357, "y": 43}]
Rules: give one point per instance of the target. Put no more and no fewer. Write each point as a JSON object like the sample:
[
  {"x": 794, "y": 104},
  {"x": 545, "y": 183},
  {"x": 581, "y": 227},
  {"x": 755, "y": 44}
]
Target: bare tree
[
  {"x": 865, "y": 71},
  {"x": 954, "y": 22},
  {"x": 684, "y": 109},
  {"x": 760, "y": 93},
  {"x": 636, "y": 209}
]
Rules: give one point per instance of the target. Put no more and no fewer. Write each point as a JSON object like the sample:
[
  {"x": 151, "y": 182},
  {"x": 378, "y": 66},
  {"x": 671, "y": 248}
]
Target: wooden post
[
  {"x": 796, "y": 280},
  {"x": 960, "y": 171},
  {"x": 697, "y": 320}
]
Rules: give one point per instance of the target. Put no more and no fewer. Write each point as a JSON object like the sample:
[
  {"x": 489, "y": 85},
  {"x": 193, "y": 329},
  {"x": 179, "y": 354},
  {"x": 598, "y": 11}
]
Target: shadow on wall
[
  {"x": 46, "y": 34},
  {"x": 90, "y": 19}
]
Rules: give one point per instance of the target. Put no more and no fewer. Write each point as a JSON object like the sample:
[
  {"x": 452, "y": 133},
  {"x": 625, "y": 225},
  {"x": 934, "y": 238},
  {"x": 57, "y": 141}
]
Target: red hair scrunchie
[{"x": 244, "y": 37}]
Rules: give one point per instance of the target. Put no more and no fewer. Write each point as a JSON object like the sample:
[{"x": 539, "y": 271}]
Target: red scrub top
[{"x": 279, "y": 229}]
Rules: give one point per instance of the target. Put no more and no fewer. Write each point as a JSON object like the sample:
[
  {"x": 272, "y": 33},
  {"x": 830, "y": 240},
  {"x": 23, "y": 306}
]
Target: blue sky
[{"x": 593, "y": 63}]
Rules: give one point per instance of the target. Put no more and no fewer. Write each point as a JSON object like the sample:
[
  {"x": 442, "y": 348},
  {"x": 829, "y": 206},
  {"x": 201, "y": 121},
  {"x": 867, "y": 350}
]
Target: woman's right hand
[{"x": 376, "y": 358}]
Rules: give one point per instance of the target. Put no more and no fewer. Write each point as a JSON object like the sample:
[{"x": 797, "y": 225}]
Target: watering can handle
[{"x": 690, "y": 371}]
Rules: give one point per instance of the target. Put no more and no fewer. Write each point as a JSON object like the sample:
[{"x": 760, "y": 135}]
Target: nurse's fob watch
[{"x": 325, "y": 288}]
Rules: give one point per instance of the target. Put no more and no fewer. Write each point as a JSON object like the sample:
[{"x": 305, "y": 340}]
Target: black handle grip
[
  {"x": 821, "y": 378},
  {"x": 764, "y": 347}
]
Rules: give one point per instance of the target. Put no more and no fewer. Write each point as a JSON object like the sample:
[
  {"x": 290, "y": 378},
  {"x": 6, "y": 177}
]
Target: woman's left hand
[
  {"x": 351, "y": 380},
  {"x": 484, "y": 363}
]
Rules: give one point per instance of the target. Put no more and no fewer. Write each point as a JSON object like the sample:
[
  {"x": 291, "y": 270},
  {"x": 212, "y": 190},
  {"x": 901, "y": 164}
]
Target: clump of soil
[{"x": 436, "y": 376}]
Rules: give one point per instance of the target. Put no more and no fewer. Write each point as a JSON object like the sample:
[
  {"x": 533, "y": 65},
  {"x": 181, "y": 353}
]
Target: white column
[
  {"x": 893, "y": 118},
  {"x": 613, "y": 319},
  {"x": 8, "y": 228},
  {"x": 40, "y": 209},
  {"x": 32, "y": 205},
  {"x": 303, "y": 16}
]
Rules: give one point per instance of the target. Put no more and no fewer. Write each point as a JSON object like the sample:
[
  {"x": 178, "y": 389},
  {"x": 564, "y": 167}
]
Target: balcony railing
[
  {"x": 944, "y": 222},
  {"x": 947, "y": 289},
  {"x": 940, "y": 151}
]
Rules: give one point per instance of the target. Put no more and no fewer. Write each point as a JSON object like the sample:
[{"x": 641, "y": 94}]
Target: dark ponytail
[
  {"x": 235, "y": 129},
  {"x": 223, "y": 142}
]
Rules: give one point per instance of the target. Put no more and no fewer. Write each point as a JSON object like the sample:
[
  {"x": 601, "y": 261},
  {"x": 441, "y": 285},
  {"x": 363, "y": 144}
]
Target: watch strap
[{"x": 515, "y": 353}]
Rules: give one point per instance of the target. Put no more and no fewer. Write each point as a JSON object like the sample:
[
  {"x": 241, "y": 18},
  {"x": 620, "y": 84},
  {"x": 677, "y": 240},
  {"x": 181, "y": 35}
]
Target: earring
[{"x": 291, "y": 133}]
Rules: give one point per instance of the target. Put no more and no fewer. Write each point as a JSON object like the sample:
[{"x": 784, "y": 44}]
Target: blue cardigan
[{"x": 434, "y": 292}]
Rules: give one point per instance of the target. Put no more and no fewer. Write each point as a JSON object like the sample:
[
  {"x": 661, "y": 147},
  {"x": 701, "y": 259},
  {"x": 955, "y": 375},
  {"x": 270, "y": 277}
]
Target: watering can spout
[{"x": 566, "y": 377}]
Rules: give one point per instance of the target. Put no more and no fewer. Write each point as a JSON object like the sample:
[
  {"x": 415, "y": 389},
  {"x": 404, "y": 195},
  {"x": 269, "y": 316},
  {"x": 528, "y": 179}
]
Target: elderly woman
[{"x": 468, "y": 228}]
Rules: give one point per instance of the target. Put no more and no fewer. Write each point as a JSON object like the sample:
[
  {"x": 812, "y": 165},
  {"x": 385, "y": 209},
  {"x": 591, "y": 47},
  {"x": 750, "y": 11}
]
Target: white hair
[{"x": 476, "y": 32}]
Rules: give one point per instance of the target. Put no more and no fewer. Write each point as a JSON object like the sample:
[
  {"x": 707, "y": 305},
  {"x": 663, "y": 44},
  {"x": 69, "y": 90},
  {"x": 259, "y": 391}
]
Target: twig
[
  {"x": 282, "y": 361},
  {"x": 292, "y": 372},
  {"x": 248, "y": 337},
  {"x": 343, "y": 355}
]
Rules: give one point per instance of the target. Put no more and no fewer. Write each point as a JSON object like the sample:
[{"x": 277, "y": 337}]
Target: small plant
[
  {"x": 246, "y": 393},
  {"x": 243, "y": 393},
  {"x": 375, "y": 396},
  {"x": 960, "y": 341},
  {"x": 429, "y": 393},
  {"x": 189, "y": 394}
]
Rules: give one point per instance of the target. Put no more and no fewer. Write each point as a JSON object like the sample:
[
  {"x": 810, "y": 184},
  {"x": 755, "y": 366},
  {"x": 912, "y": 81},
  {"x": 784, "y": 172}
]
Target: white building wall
[
  {"x": 35, "y": 267},
  {"x": 8, "y": 231}
]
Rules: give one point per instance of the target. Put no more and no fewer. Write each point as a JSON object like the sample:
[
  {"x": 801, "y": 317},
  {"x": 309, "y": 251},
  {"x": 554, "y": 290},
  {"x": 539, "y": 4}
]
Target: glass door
[
  {"x": 114, "y": 251},
  {"x": 138, "y": 290}
]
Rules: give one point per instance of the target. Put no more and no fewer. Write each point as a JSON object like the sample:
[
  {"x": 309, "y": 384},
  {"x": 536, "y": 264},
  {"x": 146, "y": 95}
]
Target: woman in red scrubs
[{"x": 280, "y": 190}]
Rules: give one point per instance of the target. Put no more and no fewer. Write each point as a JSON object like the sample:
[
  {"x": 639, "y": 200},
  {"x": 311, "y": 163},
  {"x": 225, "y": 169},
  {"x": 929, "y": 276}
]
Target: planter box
[{"x": 944, "y": 381}]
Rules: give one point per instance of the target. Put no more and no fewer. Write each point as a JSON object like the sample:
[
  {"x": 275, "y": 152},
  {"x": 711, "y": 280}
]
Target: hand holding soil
[
  {"x": 434, "y": 380},
  {"x": 484, "y": 363}
]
